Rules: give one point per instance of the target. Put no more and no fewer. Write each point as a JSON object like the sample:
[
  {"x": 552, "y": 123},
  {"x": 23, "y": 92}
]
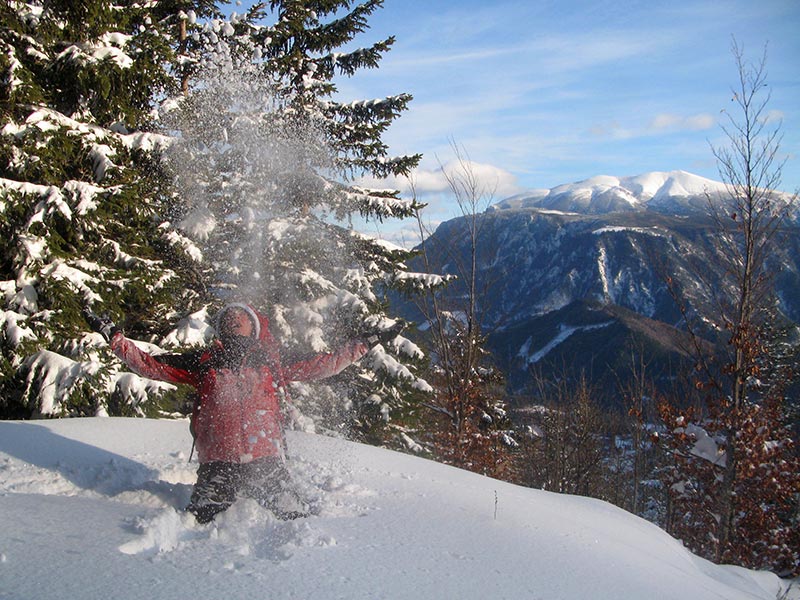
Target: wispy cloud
[
  {"x": 428, "y": 60},
  {"x": 582, "y": 51},
  {"x": 660, "y": 124},
  {"x": 774, "y": 117},
  {"x": 697, "y": 122},
  {"x": 489, "y": 181},
  {"x": 540, "y": 55}
]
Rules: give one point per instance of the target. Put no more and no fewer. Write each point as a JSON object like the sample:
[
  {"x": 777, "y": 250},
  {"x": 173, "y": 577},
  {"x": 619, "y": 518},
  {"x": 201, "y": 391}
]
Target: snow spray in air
[{"x": 256, "y": 210}]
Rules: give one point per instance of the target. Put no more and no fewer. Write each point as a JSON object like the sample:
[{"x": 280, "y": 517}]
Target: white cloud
[
  {"x": 407, "y": 236},
  {"x": 613, "y": 130},
  {"x": 431, "y": 186},
  {"x": 774, "y": 116},
  {"x": 490, "y": 181},
  {"x": 697, "y": 122},
  {"x": 586, "y": 51}
]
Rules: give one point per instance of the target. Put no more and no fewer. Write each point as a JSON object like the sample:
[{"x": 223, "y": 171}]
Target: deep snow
[{"x": 90, "y": 510}]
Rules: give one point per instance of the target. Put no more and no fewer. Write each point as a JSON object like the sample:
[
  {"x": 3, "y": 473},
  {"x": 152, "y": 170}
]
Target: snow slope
[{"x": 89, "y": 511}]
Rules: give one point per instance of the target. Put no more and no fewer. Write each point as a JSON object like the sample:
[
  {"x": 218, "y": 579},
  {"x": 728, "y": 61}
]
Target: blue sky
[{"x": 541, "y": 93}]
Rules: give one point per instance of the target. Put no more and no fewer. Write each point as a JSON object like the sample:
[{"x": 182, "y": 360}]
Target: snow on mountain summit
[
  {"x": 672, "y": 183},
  {"x": 604, "y": 193}
]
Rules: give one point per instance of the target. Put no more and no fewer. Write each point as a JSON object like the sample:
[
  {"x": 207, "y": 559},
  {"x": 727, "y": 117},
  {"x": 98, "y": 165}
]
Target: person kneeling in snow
[{"x": 237, "y": 418}]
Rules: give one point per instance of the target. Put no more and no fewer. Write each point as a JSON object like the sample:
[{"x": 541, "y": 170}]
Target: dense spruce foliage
[
  {"x": 264, "y": 166},
  {"x": 162, "y": 159},
  {"x": 81, "y": 189}
]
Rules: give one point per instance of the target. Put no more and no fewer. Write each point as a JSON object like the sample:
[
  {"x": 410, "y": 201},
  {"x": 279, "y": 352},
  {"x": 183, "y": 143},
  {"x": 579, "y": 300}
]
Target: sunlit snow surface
[{"x": 90, "y": 510}]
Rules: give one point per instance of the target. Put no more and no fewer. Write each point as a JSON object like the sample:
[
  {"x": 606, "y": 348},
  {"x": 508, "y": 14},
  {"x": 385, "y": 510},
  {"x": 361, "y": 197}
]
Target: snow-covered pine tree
[
  {"x": 79, "y": 186},
  {"x": 180, "y": 21},
  {"x": 265, "y": 164}
]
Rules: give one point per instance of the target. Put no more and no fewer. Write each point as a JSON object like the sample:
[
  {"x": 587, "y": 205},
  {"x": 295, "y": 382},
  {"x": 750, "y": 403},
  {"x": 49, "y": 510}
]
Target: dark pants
[{"x": 265, "y": 480}]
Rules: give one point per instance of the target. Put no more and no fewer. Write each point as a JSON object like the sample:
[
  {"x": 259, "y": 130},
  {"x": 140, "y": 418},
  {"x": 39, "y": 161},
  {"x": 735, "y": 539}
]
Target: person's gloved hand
[
  {"x": 102, "y": 325},
  {"x": 382, "y": 336}
]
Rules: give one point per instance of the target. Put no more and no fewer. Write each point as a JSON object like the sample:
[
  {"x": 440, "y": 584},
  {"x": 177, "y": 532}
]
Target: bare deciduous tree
[
  {"x": 750, "y": 166},
  {"x": 469, "y": 388},
  {"x": 568, "y": 454},
  {"x": 752, "y": 470}
]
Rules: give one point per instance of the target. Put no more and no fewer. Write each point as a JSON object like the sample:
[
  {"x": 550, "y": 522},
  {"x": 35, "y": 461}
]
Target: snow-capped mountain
[
  {"x": 554, "y": 262},
  {"x": 672, "y": 191}
]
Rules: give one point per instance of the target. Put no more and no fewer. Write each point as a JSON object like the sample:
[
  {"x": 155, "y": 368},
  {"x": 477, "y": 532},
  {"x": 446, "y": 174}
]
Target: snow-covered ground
[{"x": 90, "y": 509}]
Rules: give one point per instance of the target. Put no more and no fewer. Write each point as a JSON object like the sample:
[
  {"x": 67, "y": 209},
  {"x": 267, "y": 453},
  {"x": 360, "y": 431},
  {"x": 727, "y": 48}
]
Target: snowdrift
[{"x": 91, "y": 509}]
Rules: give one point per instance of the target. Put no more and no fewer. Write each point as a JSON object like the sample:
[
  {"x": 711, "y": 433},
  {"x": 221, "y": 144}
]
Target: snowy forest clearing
[{"x": 91, "y": 510}]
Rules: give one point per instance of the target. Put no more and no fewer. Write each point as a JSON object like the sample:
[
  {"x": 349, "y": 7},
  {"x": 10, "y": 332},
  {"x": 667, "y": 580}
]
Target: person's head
[{"x": 236, "y": 321}]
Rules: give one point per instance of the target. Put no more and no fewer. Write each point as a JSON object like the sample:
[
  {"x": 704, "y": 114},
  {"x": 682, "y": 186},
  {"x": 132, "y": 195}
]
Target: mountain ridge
[
  {"x": 678, "y": 192},
  {"x": 539, "y": 255}
]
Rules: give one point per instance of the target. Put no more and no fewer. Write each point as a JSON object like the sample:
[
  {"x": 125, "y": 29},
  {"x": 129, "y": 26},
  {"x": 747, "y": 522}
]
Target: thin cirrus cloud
[
  {"x": 660, "y": 124},
  {"x": 699, "y": 122},
  {"x": 490, "y": 181},
  {"x": 539, "y": 87},
  {"x": 540, "y": 57}
]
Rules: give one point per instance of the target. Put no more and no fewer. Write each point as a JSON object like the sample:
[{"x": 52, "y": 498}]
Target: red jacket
[{"x": 237, "y": 416}]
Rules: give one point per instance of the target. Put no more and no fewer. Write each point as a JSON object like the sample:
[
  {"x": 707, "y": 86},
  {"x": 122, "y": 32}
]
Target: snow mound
[{"x": 92, "y": 509}]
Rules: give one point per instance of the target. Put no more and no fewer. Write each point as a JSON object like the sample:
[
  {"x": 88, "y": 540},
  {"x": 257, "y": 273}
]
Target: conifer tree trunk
[{"x": 182, "y": 35}]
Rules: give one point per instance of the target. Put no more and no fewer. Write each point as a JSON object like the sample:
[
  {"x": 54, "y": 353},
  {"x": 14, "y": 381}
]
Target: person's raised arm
[
  {"x": 329, "y": 364},
  {"x": 139, "y": 361},
  {"x": 325, "y": 365}
]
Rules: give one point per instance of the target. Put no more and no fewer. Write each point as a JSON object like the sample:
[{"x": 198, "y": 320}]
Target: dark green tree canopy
[{"x": 162, "y": 158}]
